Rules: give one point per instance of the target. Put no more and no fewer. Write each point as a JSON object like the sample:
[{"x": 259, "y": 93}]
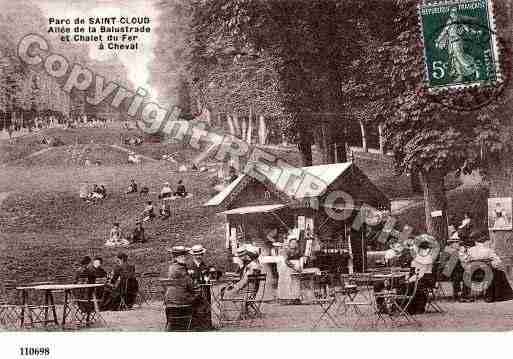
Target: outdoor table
[
  {"x": 49, "y": 300},
  {"x": 306, "y": 283},
  {"x": 392, "y": 278}
]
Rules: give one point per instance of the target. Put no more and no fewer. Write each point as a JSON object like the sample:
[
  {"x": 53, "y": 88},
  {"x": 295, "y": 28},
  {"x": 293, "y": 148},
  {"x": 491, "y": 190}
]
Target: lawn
[{"x": 42, "y": 219}]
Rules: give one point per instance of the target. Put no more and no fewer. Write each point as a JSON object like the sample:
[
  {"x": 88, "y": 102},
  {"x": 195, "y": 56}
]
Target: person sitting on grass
[
  {"x": 132, "y": 187},
  {"x": 99, "y": 192},
  {"x": 138, "y": 234},
  {"x": 180, "y": 190},
  {"x": 166, "y": 191},
  {"x": 148, "y": 212},
  {"x": 116, "y": 237},
  {"x": 165, "y": 210}
]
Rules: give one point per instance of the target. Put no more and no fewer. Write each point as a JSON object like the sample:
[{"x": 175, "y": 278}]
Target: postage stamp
[{"x": 460, "y": 44}]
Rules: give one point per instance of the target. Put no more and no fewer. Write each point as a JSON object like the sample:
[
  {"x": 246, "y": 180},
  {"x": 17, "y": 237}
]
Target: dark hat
[
  {"x": 478, "y": 236},
  {"x": 179, "y": 251}
]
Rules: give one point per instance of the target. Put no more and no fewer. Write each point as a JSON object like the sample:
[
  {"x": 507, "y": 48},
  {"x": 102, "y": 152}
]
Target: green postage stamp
[{"x": 460, "y": 44}]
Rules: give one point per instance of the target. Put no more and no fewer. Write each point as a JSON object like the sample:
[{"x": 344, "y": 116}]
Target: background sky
[{"x": 136, "y": 61}]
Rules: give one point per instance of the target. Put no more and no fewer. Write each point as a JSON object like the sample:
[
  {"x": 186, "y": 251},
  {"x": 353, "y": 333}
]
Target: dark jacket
[
  {"x": 123, "y": 272},
  {"x": 198, "y": 272},
  {"x": 84, "y": 275},
  {"x": 182, "y": 290}
]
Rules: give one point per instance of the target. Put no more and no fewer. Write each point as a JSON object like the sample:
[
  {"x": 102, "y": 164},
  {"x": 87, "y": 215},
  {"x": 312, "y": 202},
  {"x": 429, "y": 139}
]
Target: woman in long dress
[{"x": 288, "y": 284}]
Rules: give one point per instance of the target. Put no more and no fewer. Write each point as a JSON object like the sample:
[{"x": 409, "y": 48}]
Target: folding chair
[
  {"x": 149, "y": 288},
  {"x": 398, "y": 304},
  {"x": 82, "y": 307},
  {"x": 9, "y": 310},
  {"x": 325, "y": 298},
  {"x": 178, "y": 317},
  {"x": 361, "y": 303},
  {"x": 247, "y": 305}
]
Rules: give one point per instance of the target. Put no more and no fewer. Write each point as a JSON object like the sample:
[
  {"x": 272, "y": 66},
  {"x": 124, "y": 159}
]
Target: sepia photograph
[{"x": 226, "y": 166}]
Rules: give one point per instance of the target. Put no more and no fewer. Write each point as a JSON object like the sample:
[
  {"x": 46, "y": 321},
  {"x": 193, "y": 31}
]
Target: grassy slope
[{"x": 43, "y": 221}]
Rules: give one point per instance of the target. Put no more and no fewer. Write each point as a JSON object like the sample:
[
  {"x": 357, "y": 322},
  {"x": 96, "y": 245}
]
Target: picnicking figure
[
  {"x": 148, "y": 213},
  {"x": 116, "y": 237},
  {"x": 166, "y": 191},
  {"x": 180, "y": 190},
  {"x": 165, "y": 210},
  {"x": 132, "y": 187},
  {"x": 138, "y": 234}
]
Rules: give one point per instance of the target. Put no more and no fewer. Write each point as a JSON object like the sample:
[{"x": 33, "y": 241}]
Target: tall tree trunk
[
  {"x": 231, "y": 127},
  {"x": 243, "y": 128},
  {"x": 364, "y": 138},
  {"x": 262, "y": 130},
  {"x": 416, "y": 186},
  {"x": 305, "y": 149},
  {"x": 434, "y": 202},
  {"x": 236, "y": 124},
  {"x": 381, "y": 139},
  {"x": 250, "y": 125},
  {"x": 208, "y": 116}
]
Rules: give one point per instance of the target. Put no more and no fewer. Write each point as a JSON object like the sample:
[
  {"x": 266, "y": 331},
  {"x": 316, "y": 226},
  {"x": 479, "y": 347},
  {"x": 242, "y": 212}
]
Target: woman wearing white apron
[{"x": 288, "y": 283}]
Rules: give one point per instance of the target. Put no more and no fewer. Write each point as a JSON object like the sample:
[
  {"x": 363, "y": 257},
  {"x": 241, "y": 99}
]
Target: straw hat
[
  {"x": 241, "y": 251},
  {"x": 197, "y": 249},
  {"x": 178, "y": 251},
  {"x": 252, "y": 251}
]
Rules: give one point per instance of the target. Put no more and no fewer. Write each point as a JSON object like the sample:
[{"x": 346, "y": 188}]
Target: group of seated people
[
  {"x": 133, "y": 188},
  {"x": 167, "y": 192},
  {"x": 99, "y": 192},
  {"x": 186, "y": 280},
  {"x": 121, "y": 284},
  {"x": 463, "y": 262},
  {"x": 116, "y": 237}
]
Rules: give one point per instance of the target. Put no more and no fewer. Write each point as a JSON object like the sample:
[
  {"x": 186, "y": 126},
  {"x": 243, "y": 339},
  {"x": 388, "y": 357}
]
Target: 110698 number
[{"x": 34, "y": 351}]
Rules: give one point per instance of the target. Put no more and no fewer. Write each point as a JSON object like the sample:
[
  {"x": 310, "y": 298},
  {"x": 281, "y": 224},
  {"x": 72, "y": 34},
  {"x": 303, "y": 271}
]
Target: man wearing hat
[
  {"x": 181, "y": 290},
  {"x": 249, "y": 257},
  {"x": 199, "y": 272}
]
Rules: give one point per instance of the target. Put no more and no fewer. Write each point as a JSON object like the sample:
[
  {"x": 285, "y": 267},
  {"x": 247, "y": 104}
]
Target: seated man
[
  {"x": 181, "y": 291},
  {"x": 251, "y": 266},
  {"x": 138, "y": 233},
  {"x": 85, "y": 272},
  {"x": 180, "y": 190},
  {"x": 149, "y": 212},
  {"x": 132, "y": 187},
  {"x": 166, "y": 191},
  {"x": 165, "y": 210}
]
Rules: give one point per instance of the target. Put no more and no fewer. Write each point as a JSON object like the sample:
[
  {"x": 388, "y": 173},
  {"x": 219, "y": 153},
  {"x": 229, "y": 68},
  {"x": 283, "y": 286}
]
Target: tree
[{"x": 429, "y": 133}]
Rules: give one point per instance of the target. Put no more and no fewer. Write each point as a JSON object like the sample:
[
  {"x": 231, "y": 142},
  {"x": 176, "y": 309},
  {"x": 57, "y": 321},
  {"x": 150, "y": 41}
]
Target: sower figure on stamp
[{"x": 461, "y": 64}]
